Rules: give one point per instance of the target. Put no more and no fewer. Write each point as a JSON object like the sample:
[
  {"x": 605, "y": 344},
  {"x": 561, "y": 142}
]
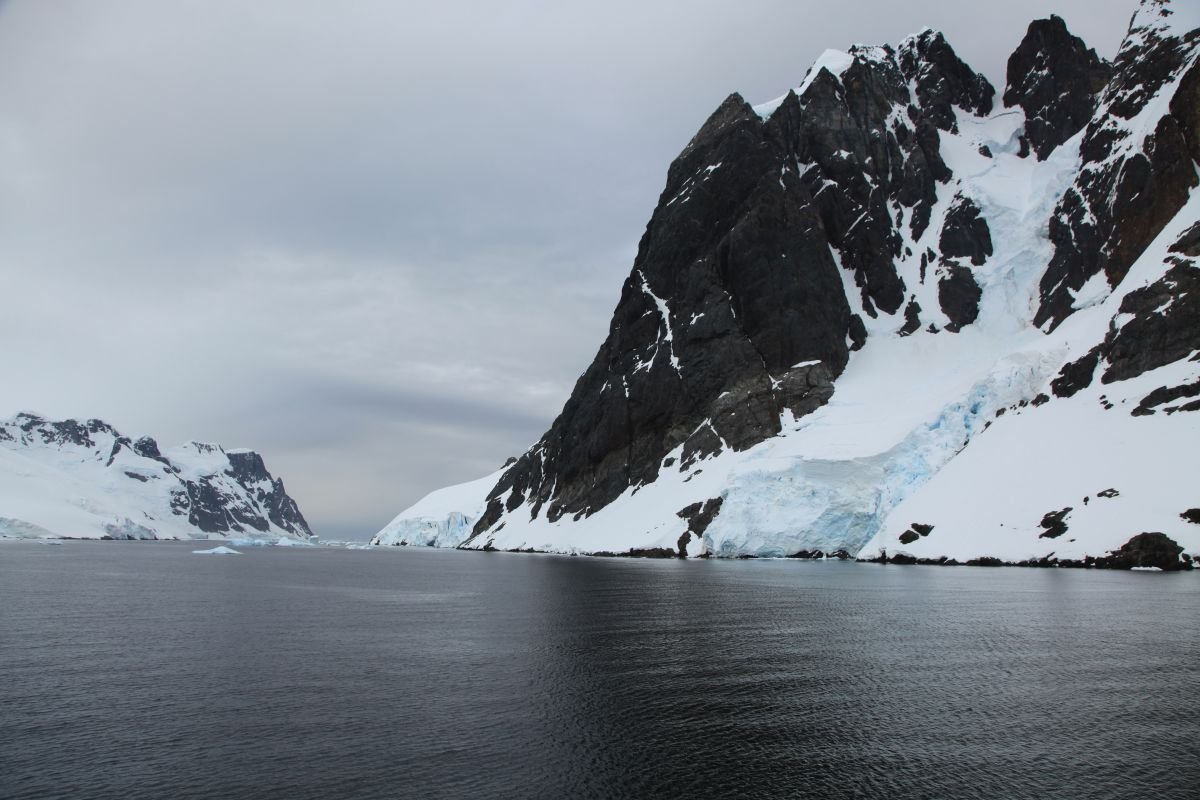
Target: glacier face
[
  {"x": 443, "y": 518},
  {"x": 1012, "y": 349},
  {"x": 73, "y": 479}
]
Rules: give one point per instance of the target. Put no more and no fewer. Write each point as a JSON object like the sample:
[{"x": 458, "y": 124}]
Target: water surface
[{"x": 140, "y": 670}]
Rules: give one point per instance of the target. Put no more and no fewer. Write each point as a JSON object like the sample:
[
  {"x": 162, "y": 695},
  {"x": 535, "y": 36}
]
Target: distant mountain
[
  {"x": 85, "y": 480},
  {"x": 890, "y": 315}
]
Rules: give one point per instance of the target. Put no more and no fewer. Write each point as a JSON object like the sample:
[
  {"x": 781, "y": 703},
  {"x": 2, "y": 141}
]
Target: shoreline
[{"x": 1116, "y": 561}]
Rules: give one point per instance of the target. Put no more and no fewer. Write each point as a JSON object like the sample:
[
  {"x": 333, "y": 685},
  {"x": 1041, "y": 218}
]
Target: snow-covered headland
[{"x": 84, "y": 480}]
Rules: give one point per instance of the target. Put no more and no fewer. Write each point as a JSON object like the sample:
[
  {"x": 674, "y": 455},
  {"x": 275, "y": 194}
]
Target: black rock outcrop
[
  {"x": 1188, "y": 243},
  {"x": 1054, "y": 523},
  {"x": 959, "y": 295},
  {"x": 1056, "y": 79},
  {"x": 1160, "y": 324},
  {"x": 1077, "y": 375},
  {"x": 915, "y": 532},
  {"x": 965, "y": 233},
  {"x": 1164, "y": 325},
  {"x": 1148, "y": 550},
  {"x": 1164, "y": 398},
  {"x": 146, "y": 446}
]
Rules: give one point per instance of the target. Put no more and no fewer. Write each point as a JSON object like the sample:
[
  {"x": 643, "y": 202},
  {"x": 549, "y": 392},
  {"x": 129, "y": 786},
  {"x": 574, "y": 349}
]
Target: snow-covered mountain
[
  {"x": 885, "y": 316},
  {"x": 85, "y": 480}
]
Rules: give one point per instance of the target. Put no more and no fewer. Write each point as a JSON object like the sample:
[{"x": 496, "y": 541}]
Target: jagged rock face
[
  {"x": 213, "y": 490},
  {"x": 965, "y": 234},
  {"x": 735, "y": 311},
  {"x": 1056, "y": 79},
  {"x": 1159, "y": 324},
  {"x": 211, "y": 507},
  {"x": 1134, "y": 177},
  {"x": 942, "y": 80},
  {"x": 255, "y": 501},
  {"x": 1165, "y": 325},
  {"x": 964, "y": 237},
  {"x": 146, "y": 446}
]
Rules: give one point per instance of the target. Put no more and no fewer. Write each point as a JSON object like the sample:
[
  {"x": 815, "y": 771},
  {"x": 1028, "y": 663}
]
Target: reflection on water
[{"x": 145, "y": 671}]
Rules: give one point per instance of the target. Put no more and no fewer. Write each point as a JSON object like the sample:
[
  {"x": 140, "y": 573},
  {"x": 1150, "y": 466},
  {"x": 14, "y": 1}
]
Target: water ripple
[{"x": 143, "y": 672}]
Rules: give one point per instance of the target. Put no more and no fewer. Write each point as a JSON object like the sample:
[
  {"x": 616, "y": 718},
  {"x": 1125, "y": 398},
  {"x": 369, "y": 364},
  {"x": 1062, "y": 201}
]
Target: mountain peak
[
  {"x": 942, "y": 79},
  {"x": 1056, "y": 80},
  {"x": 826, "y": 333}
]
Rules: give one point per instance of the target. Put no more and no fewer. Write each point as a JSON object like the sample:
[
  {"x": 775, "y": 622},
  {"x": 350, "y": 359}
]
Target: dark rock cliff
[
  {"x": 255, "y": 501},
  {"x": 735, "y": 310},
  {"x": 1137, "y": 163},
  {"x": 1056, "y": 79},
  {"x": 942, "y": 80},
  {"x": 1160, "y": 325}
]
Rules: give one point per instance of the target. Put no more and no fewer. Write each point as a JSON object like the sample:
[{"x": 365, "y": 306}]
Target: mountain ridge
[
  {"x": 882, "y": 213},
  {"x": 73, "y": 479}
]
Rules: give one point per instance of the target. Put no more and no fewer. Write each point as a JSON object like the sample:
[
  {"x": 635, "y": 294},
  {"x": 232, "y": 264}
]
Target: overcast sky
[{"x": 375, "y": 241}]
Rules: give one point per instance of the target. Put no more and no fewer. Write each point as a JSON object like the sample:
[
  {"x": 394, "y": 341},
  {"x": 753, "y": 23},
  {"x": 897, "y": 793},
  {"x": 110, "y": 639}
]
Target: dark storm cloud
[{"x": 377, "y": 241}]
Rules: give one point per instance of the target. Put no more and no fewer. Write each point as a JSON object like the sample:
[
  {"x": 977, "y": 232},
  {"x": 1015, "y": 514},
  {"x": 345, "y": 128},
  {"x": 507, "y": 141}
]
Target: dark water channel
[{"x": 141, "y": 670}]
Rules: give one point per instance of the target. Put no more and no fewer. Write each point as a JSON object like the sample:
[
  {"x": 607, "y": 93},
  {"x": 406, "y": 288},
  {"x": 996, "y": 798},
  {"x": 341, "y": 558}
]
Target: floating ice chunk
[{"x": 220, "y": 550}]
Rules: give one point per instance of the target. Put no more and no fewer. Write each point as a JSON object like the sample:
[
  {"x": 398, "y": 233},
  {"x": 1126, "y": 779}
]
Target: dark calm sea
[{"x": 140, "y": 670}]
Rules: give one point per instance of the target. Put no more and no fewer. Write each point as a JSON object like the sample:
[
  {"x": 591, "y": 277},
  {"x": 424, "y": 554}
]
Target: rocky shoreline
[{"x": 1145, "y": 551}]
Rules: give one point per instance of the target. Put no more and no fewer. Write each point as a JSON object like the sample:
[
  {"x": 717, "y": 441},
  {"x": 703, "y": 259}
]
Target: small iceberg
[{"x": 222, "y": 550}]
